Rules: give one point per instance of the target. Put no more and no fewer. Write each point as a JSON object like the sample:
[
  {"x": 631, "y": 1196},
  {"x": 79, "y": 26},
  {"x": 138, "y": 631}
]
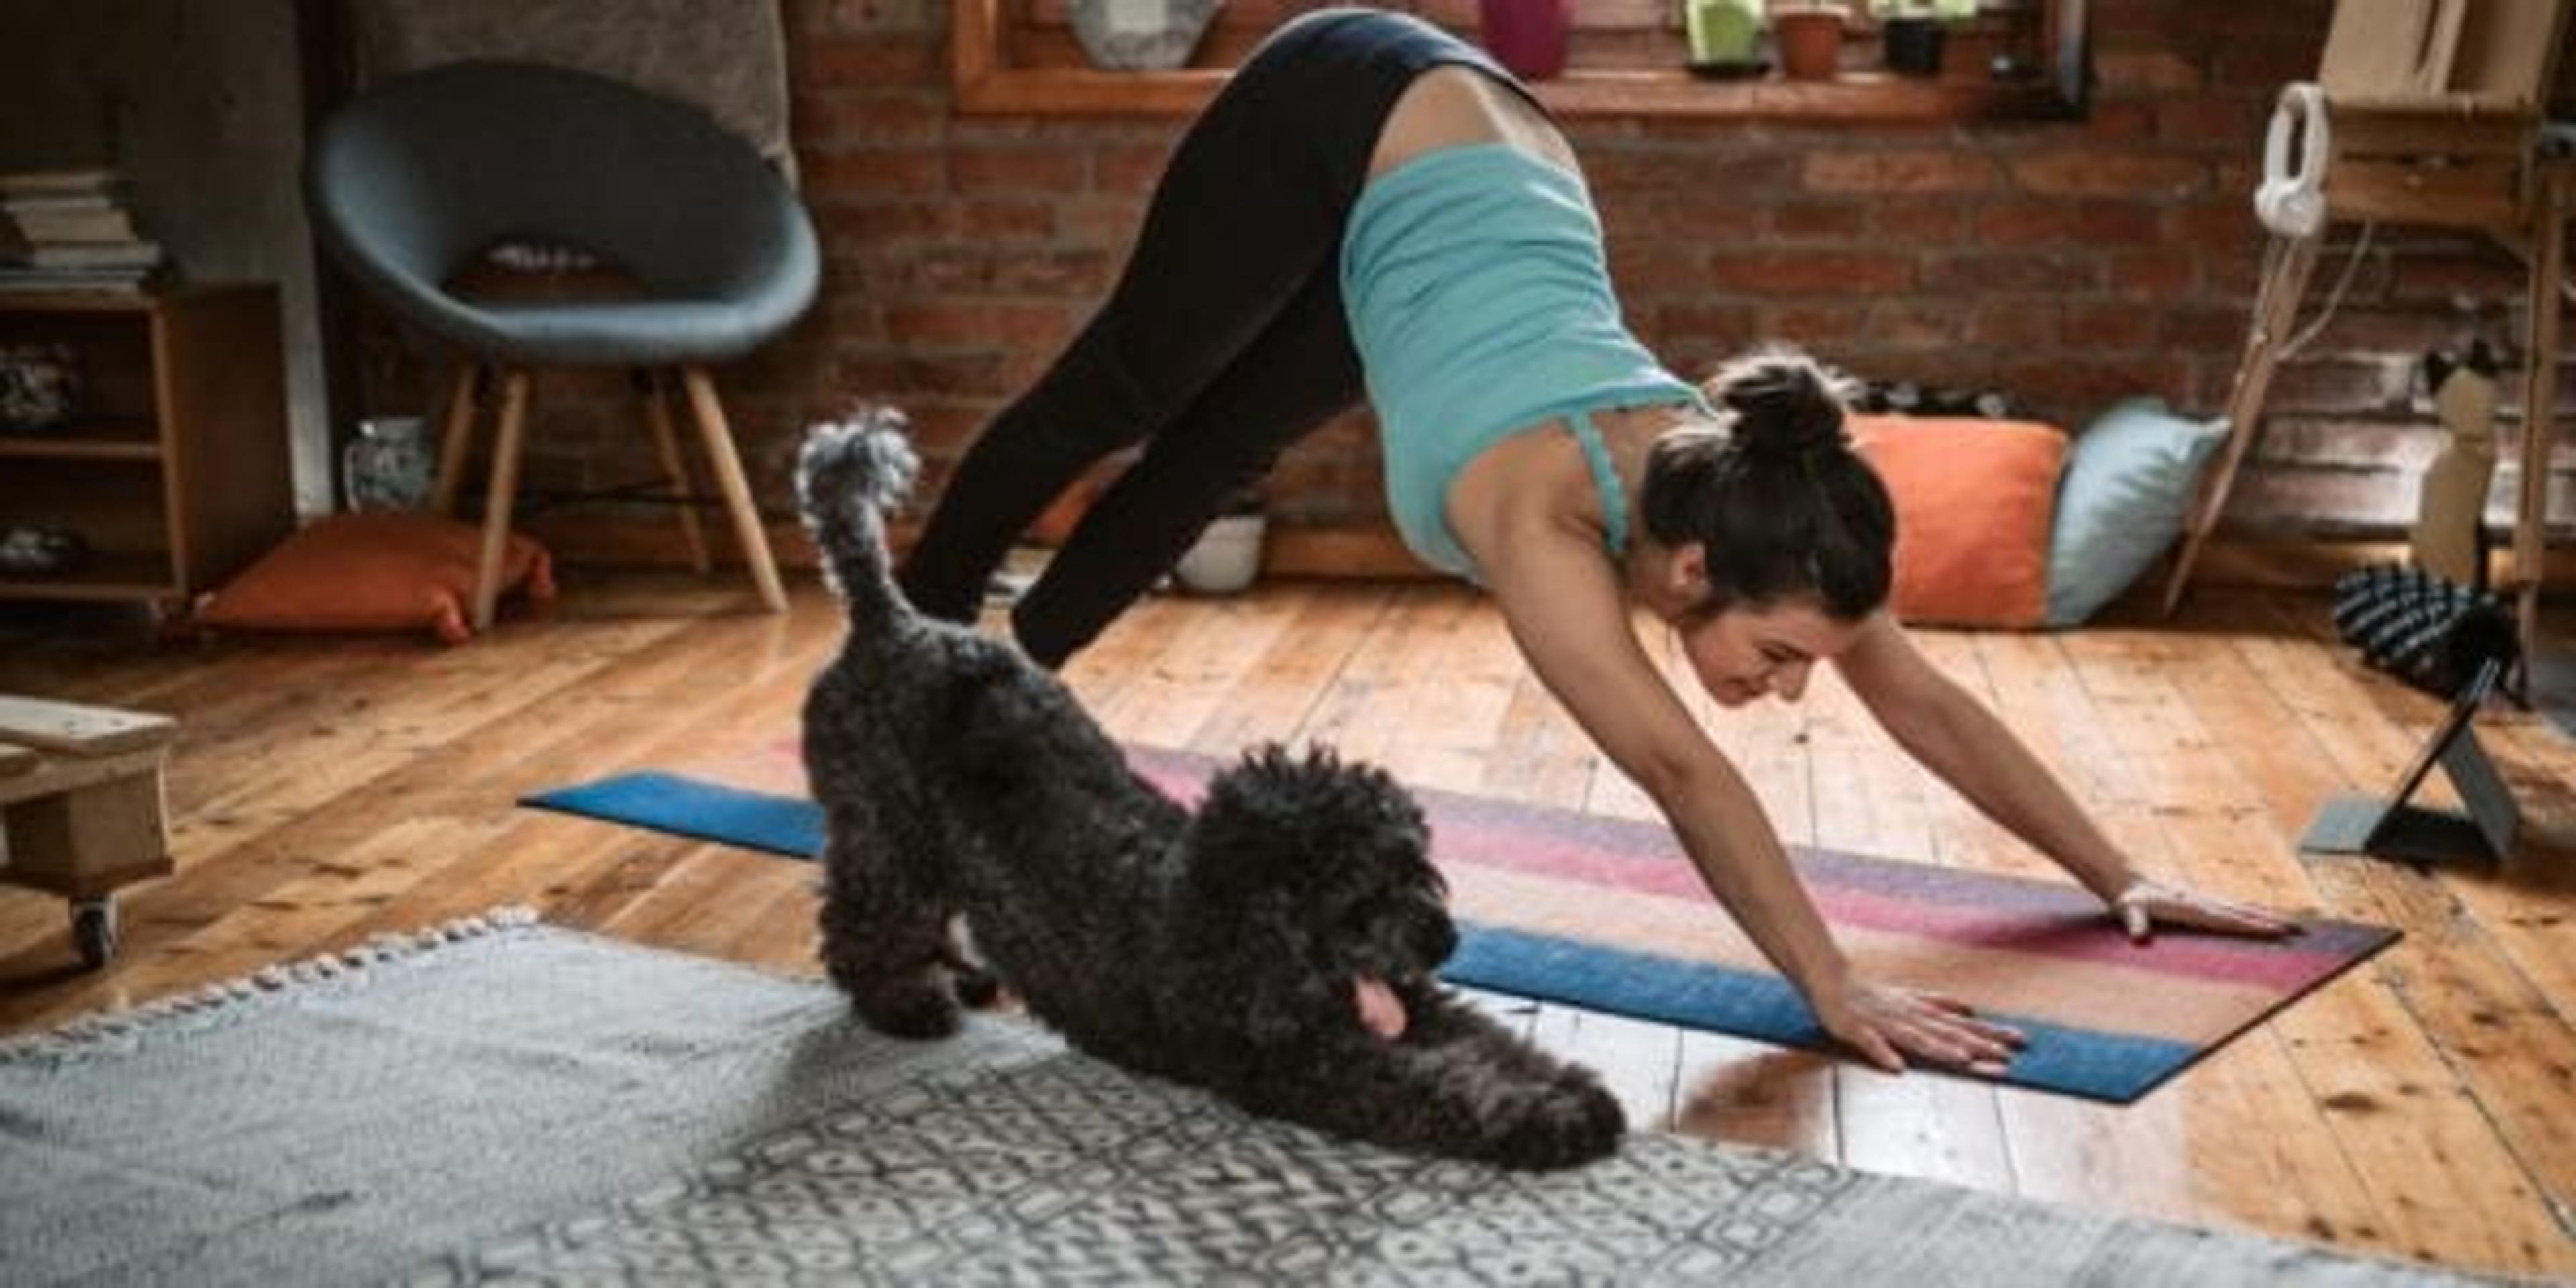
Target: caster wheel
[{"x": 94, "y": 931}]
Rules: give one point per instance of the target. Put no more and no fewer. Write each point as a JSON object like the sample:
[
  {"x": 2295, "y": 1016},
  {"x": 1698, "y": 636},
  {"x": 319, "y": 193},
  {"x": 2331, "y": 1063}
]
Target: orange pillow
[
  {"x": 1975, "y": 500},
  {"x": 374, "y": 572}
]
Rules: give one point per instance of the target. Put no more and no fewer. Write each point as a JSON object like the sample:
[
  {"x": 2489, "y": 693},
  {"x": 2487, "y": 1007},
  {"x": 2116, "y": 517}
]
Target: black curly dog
[{"x": 1277, "y": 948}]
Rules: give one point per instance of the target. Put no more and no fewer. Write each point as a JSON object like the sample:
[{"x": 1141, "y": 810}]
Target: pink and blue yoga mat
[{"x": 1607, "y": 914}]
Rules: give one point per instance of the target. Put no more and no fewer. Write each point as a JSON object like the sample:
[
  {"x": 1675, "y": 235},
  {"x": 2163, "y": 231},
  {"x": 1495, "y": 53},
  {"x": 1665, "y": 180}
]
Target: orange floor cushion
[
  {"x": 1975, "y": 502},
  {"x": 391, "y": 571}
]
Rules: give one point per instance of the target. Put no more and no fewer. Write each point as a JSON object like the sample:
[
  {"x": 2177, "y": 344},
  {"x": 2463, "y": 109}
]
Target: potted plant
[
  {"x": 1912, "y": 32},
  {"x": 1227, "y": 555},
  {"x": 1810, "y": 37}
]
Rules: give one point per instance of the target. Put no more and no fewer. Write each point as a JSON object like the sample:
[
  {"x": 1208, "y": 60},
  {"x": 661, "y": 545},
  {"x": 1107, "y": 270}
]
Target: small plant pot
[
  {"x": 1227, "y": 556},
  {"x": 1913, "y": 45},
  {"x": 1526, "y": 36},
  {"x": 1811, "y": 42}
]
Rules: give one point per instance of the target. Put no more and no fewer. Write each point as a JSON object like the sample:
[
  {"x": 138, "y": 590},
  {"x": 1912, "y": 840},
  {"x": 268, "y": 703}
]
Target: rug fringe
[{"x": 389, "y": 946}]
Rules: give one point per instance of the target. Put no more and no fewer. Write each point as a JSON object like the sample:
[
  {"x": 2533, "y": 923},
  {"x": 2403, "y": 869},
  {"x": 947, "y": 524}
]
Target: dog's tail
[{"x": 848, "y": 475}]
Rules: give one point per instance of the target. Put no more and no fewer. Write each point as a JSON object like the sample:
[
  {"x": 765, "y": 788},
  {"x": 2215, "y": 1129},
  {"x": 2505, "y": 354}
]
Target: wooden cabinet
[{"x": 174, "y": 471}]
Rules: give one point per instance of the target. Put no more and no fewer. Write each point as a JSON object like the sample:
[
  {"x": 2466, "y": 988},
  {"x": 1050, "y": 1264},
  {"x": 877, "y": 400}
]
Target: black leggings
[{"x": 1223, "y": 343}]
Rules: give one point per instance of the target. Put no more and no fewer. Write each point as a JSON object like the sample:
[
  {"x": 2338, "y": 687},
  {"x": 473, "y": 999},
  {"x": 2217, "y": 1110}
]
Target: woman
[{"x": 1373, "y": 207}]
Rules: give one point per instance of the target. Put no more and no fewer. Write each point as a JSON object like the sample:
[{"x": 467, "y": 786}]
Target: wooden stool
[{"x": 80, "y": 802}]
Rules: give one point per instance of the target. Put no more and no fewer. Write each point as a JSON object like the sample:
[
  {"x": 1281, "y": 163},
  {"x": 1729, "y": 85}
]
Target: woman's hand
[
  {"x": 1887, "y": 1025},
  {"x": 2146, "y": 902}
]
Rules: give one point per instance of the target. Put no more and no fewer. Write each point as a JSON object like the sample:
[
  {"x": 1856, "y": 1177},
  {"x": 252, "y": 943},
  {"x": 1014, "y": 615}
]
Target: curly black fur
[{"x": 1220, "y": 949}]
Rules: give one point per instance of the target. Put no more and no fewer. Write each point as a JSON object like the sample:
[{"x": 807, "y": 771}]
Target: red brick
[
  {"x": 1998, "y": 272},
  {"x": 2015, "y": 324},
  {"x": 1129, "y": 168},
  {"x": 1822, "y": 327},
  {"x": 1722, "y": 171},
  {"x": 1019, "y": 169},
  {"x": 989, "y": 220},
  {"x": 873, "y": 172},
  {"x": 1818, "y": 221},
  {"x": 1078, "y": 274},
  {"x": 2105, "y": 173},
  {"x": 2095, "y": 328},
  {"x": 1916, "y": 223},
  {"x": 2151, "y": 276},
  {"x": 857, "y": 118},
  {"x": 1916, "y": 324},
  {"x": 2069, "y": 389},
  {"x": 2145, "y": 71},
  {"x": 1911, "y": 173},
  {"x": 1820, "y": 273},
  {"x": 2026, "y": 223},
  {"x": 877, "y": 222},
  {"x": 871, "y": 61},
  {"x": 955, "y": 324},
  {"x": 2213, "y": 120},
  {"x": 899, "y": 373}
]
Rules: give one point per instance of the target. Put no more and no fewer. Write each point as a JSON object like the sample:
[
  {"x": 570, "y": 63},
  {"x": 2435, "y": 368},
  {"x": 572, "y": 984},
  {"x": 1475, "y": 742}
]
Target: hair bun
[{"x": 1786, "y": 404}]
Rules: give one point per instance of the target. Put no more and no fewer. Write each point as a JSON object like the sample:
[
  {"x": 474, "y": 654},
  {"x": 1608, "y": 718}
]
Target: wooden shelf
[
  {"x": 984, "y": 80},
  {"x": 110, "y": 441},
  {"x": 176, "y": 473},
  {"x": 103, "y": 577}
]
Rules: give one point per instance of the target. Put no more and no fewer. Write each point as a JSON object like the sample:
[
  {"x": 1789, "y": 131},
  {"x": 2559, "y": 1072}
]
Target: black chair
[{"x": 415, "y": 179}]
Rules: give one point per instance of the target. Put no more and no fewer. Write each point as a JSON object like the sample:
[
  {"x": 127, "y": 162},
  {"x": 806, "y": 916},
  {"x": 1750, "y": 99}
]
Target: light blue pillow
[{"x": 2127, "y": 489}]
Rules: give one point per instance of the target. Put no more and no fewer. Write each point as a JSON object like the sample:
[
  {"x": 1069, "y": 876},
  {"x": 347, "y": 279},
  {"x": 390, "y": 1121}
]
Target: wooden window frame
[{"x": 984, "y": 83}]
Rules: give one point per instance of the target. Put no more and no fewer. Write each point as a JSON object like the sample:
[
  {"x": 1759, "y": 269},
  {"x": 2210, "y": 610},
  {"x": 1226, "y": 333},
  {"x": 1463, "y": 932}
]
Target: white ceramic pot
[
  {"x": 1140, "y": 35},
  {"x": 1226, "y": 558}
]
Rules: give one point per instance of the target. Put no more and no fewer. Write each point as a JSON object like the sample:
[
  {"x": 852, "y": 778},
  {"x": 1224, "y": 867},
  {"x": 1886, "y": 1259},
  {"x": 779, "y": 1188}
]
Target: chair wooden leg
[
  {"x": 657, "y": 413},
  {"x": 2287, "y": 264},
  {"x": 737, "y": 490},
  {"x": 457, "y": 441},
  {"x": 496, "y": 506},
  {"x": 2540, "y": 390}
]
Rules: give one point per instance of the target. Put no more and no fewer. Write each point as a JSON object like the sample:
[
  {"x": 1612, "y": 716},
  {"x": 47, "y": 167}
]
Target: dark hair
[{"x": 1774, "y": 492}]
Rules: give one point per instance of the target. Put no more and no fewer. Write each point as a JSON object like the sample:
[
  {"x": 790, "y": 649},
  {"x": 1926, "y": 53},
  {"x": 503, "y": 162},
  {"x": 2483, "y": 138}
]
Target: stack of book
[{"x": 69, "y": 230}]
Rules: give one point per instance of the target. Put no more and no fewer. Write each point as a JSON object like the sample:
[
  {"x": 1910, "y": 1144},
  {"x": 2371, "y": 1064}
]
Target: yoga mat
[{"x": 1608, "y": 914}]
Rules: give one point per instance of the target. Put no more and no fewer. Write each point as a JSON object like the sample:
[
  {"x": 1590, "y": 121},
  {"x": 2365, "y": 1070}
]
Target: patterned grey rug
[{"x": 508, "y": 1101}]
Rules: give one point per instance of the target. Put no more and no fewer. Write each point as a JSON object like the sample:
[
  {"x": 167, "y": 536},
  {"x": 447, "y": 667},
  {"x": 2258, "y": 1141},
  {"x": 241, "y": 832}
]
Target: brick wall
[{"x": 2071, "y": 264}]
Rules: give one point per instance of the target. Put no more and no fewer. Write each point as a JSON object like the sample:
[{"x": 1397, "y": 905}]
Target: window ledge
[
  {"x": 986, "y": 81},
  {"x": 1074, "y": 91}
]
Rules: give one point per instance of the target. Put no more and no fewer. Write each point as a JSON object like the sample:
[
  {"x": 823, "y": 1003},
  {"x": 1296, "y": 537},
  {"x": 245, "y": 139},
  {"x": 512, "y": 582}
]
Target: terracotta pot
[{"x": 1810, "y": 41}]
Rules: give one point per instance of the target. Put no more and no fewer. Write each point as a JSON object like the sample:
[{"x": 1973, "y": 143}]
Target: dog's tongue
[{"x": 1381, "y": 1011}]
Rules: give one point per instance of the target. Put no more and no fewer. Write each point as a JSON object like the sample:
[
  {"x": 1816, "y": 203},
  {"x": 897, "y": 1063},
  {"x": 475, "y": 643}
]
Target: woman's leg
[
  {"x": 1300, "y": 373},
  {"x": 1250, "y": 211}
]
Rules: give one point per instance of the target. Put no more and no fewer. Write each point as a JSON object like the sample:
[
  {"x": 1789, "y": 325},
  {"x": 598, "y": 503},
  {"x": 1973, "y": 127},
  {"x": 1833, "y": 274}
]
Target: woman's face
[{"x": 1745, "y": 652}]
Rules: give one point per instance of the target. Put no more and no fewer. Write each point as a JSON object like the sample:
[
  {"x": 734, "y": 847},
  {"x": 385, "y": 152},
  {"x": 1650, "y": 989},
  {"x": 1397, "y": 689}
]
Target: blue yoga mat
[{"x": 2094, "y": 1063}]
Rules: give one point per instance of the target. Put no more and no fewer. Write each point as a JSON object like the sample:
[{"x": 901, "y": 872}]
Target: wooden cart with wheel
[{"x": 80, "y": 808}]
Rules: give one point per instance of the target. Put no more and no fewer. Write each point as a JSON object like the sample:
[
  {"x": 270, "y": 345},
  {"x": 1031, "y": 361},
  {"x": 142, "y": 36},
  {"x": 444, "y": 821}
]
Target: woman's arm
[
  {"x": 1957, "y": 738},
  {"x": 1565, "y": 611}
]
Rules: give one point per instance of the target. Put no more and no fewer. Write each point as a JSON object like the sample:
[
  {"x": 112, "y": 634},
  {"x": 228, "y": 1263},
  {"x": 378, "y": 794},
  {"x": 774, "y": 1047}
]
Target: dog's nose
[{"x": 1435, "y": 939}]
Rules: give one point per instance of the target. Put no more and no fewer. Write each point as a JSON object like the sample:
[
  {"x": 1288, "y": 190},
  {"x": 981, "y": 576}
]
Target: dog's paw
[
  {"x": 1571, "y": 1121},
  {"x": 915, "y": 1010}
]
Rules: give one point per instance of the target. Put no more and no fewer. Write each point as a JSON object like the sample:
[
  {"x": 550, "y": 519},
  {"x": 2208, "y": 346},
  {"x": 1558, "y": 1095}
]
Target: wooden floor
[{"x": 2424, "y": 1106}]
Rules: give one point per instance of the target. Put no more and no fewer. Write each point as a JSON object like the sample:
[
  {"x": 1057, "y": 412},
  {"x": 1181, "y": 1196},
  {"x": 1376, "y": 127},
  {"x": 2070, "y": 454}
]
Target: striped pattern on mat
[{"x": 1608, "y": 914}]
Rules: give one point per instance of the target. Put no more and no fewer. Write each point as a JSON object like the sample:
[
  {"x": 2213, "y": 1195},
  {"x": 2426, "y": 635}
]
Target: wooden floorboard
[{"x": 324, "y": 790}]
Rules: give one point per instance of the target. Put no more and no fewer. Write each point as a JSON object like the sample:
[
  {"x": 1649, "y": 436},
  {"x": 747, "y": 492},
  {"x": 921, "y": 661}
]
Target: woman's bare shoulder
[{"x": 1449, "y": 106}]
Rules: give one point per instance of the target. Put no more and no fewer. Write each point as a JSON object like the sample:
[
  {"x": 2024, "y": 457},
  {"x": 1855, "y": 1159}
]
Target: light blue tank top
[{"x": 1480, "y": 302}]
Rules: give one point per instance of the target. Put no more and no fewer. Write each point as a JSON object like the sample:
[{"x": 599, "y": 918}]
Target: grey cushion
[{"x": 411, "y": 180}]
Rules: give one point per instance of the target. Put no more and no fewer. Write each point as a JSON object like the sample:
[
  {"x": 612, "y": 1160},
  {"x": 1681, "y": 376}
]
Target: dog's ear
[{"x": 1259, "y": 955}]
